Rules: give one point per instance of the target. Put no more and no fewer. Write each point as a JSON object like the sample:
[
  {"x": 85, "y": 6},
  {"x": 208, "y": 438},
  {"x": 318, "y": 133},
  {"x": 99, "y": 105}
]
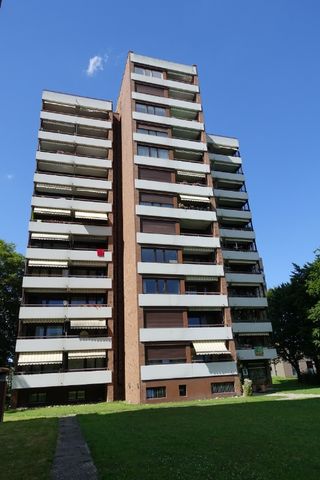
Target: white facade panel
[
  {"x": 178, "y": 240},
  {"x": 63, "y": 344},
  {"x": 59, "y": 158},
  {"x": 170, "y": 102},
  {"x": 74, "y": 139},
  {"x": 226, "y": 159},
  {"x": 170, "y": 142},
  {"x": 156, "y": 62},
  {"x": 65, "y": 312},
  {"x": 65, "y": 203},
  {"x": 179, "y": 213},
  {"x": 72, "y": 283},
  {"x": 69, "y": 228},
  {"x": 228, "y": 142},
  {"x": 65, "y": 118},
  {"x": 174, "y": 188},
  {"x": 43, "y": 380},
  {"x": 72, "y": 255},
  {"x": 182, "y": 334},
  {"x": 192, "y": 300},
  {"x": 172, "y": 164},
  {"x": 170, "y": 121},
  {"x": 188, "y": 370},
  {"x": 180, "y": 269},
  {"x": 188, "y": 87},
  {"x": 77, "y": 100},
  {"x": 72, "y": 181}
]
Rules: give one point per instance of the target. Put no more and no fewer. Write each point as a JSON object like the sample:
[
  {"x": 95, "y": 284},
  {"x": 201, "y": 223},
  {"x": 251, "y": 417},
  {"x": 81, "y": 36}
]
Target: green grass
[
  {"x": 27, "y": 449},
  {"x": 291, "y": 385}
]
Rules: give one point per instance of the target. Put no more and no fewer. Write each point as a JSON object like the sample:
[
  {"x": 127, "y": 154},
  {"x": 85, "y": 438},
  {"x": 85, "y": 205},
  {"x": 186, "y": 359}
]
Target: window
[
  {"x": 146, "y": 151},
  {"x": 149, "y": 131},
  {"x": 156, "y": 392},
  {"x": 158, "y": 226},
  {"x": 49, "y": 331},
  {"x": 159, "y": 255},
  {"x": 182, "y": 390},
  {"x": 156, "y": 200},
  {"x": 151, "y": 109},
  {"x": 148, "y": 72},
  {"x": 224, "y": 387},
  {"x": 39, "y": 397},
  {"x": 76, "y": 396},
  {"x": 161, "y": 285},
  {"x": 86, "y": 363}
]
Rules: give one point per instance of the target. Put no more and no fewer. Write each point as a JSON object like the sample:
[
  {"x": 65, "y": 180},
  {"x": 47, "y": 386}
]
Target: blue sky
[{"x": 259, "y": 73}]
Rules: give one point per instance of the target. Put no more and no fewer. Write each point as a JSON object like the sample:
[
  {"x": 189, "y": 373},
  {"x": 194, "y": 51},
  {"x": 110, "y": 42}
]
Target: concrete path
[
  {"x": 72, "y": 458},
  {"x": 293, "y": 396}
]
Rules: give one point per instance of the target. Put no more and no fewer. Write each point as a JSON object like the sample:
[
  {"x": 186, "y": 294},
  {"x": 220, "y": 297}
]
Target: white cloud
[
  {"x": 96, "y": 64},
  {"x": 9, "y": 176}
]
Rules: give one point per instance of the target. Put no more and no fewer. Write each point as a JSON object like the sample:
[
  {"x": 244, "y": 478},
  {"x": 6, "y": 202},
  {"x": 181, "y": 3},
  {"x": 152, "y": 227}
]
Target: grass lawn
[
  {"x": 291, "y": 385},
  {"x": 27, "y": 449}
]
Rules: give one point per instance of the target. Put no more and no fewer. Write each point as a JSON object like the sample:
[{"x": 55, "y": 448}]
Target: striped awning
[
  {"x": 198, "y": 250},
  {"x": 47, "y": 263},
  {"x": 52, "y": 211},
  {"x": 182, "y": 173},
  {"x": 52, "y": 186},
  {"x": 253, "y": 334},
  {"x": 91, "y": 190},
  {"x": 88, "y": 323},
  {"x": 87, "y": 354},
  {"x": 192, "y": 198},
  {"x": 40, "y": 358},
  {"x": 43, "y": 320},
  {"x": 201, "y": 278},
  {"x": 213, "y": 347},
  {"x": 50, "y": 236},
  {"x": 91, "y": 215}
]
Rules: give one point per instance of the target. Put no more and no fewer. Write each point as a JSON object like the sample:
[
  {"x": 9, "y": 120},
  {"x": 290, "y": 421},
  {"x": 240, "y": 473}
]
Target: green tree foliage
[
  {"x": 313, "y": 288},
  {"x": 11, "y": 272}
]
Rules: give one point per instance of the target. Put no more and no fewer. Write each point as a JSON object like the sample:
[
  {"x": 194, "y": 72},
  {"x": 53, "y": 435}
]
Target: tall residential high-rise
[{"x": 143, "y": 281}]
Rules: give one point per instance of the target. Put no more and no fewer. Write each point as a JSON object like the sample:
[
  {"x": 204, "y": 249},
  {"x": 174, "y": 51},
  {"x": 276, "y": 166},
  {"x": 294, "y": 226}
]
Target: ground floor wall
[
  {"x": 280, "y": 368},
  {"x": 257, "y": 371},
  {"x": 61, "y": 395},
  {"x": 185, "y": 389}
]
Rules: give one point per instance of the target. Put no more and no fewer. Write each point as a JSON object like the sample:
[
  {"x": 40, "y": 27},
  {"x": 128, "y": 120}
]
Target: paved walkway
[
  {"x": 293, "y": 396},
  {"x": 72, "y": 459}
]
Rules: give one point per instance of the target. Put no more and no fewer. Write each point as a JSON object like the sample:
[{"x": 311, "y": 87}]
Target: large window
[
  {"x": 76, "y": 396},
  {"x": 149, "y": 131},
  {"x": 38, "y": 398},
  {"x": 48, "y": 330},
  {"x": 224, "y": 387},
  {"x": 148, "y": 72},
  {"x": 156, "y": 200},
  {"x": 156, "y": 392},
  {"x": 159, "y": 255},
  {"x": 86, "y": 363},
  {"x": 151, "y": 109},
  {"x": 161, "y": 285},
  {"x": 146, "y": 151}
]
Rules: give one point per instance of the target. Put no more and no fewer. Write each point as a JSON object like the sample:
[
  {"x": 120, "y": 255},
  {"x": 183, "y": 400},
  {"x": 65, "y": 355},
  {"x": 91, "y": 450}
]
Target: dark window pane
[
  {"x": 153, "y": 152},
  {"x": 160, "y": 111},
  {"x": 139, "y": 70},
  {"x": 159, "y": 255},
  {"x": 141, "y": 108},
  {"x": 173, "y": 286},
  {"x": 54, "y": 331},
  {"x": 40, "y": 331},
  {"x": 171, "y": 256},
  {"x": 147, "y": 255},
  {"x": 149, "y": 285},
  {"x": 142, "y": 150},
  {"x": 150, "y": 109},
  {"x": 163, "y": 153},
  {"x": 161, "y": 286}
]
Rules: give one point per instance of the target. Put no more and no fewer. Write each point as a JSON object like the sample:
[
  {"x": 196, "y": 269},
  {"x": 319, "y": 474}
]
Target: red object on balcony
[{"x": 100, "y": 252}]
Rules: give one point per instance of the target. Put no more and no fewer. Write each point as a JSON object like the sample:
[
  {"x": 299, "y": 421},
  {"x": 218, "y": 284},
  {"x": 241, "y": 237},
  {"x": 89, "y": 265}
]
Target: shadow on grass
[
  {"x": 252, "y": 441},
  {"x": 287, "y": 384},
  {"x": 27, "y": 449}
]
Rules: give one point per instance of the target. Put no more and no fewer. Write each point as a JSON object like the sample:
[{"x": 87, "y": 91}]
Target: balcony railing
[
  {"x": 74, "y": 153},
  {"x": 75, "y": 133}
]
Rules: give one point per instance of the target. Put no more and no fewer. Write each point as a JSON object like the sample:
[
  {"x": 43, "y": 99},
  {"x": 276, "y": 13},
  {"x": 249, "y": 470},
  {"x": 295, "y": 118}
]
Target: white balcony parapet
[
  {"x": 252, "y": 327},
  {"x": 170, "y": 142},
  {"x": 233, "y": 213},
  {"x": 188, "y": 87},
  {"x": 68, "y": 255},
  {"x": 237, "y": 234},
  {"x": 65, "y": 118},
  {"x": 63, "y": 344},
  {"x": 33, "y": 312},
  {"x": 232, "y": 194},
  {"x": 257, "y": 354},
  {"x": 170, "y": 102},
  {"x": 247, "y": 278},
  {"x": 76, "y": 100},
  {"x": 185, "y": 334},
  {"x": 189, "y": 270},
  {"x": 72, "y": 181},
  {"x": 178, "y": 240},
  {"x": 69, "y": 229},
  {"x": 192, "y": 300},
  {"x": 69, "y": 283},
  {"x": 74, "y": 139},
  {"x": 172, "y": 164},
  {"x": 248, "y": 302},
  {"x": 156, "y": 62},
  {"x": 174, "y": 188},
  {"x": 226, "y": 142},
  {"x": 225, "y": 160},
  {"x": 65, "y": 203},
  {"x": 42, "y": 380},
  {"x": 73, "y": 160},
  {"x": 179, "y": 213},
  {"x": 236, "y": 255},
  {"x": 188, "y": 370},
  {"x": 169, "y": 121}
]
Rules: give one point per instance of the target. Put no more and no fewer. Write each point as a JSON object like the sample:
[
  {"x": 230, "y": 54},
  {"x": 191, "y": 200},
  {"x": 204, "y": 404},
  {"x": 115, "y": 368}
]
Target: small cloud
[
  {"x": 96, "y": 64},
  {"x": 9, "y": 176}
]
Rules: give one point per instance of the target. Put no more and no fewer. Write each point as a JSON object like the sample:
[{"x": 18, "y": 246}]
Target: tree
[
  {"x": 289, "y": 306},
  {"x": 11, "y": 272},
  {"x": 313, "y": 288}
]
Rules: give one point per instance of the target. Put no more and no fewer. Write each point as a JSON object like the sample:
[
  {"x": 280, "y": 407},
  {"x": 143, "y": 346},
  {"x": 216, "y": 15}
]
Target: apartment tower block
[{"x": 143, "y": 281}]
